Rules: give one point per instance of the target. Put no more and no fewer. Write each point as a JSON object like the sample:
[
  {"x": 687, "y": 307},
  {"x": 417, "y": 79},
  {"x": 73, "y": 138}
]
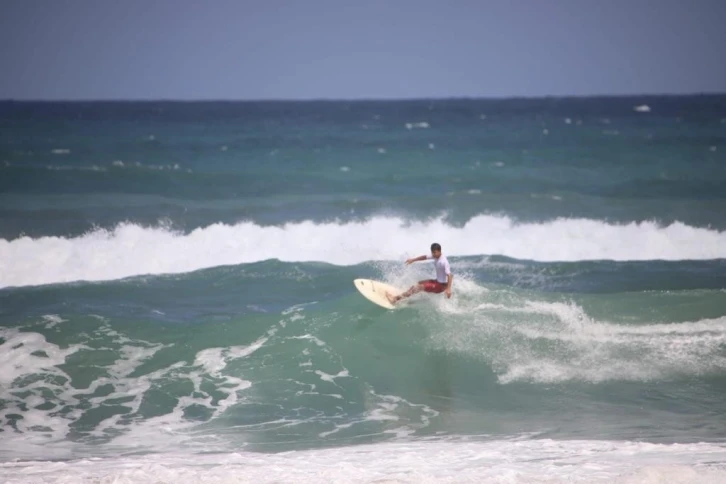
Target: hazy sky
[{"x": 295, "y": 49}]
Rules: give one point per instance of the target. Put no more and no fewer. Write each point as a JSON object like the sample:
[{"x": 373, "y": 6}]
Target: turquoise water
[{"x": 176, "y": 287}]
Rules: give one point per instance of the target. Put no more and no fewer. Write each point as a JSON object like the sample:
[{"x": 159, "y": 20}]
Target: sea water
[{"x": 177, "y": 304}]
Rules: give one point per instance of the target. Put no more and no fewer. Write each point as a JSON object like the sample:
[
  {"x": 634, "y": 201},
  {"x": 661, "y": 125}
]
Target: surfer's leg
[{"x": 411, "y": 291}]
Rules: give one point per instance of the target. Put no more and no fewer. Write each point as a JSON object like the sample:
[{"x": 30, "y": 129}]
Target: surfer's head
[{"x": 435, "y": 250}]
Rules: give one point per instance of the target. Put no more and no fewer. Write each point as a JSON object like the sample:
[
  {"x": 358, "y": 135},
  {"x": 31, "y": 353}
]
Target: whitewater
[{"x": 131, "y": 250}]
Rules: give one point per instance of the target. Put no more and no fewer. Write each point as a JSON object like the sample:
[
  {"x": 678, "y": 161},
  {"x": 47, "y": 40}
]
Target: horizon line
[{"x": 366, "y": 99}]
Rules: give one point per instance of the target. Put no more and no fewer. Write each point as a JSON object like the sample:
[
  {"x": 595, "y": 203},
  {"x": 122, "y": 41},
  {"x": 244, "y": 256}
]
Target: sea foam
[{"x": 130, "y": 249}]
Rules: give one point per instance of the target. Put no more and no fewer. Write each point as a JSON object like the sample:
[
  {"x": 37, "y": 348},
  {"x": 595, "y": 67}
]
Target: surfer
[{"x": 443, "y": 280}]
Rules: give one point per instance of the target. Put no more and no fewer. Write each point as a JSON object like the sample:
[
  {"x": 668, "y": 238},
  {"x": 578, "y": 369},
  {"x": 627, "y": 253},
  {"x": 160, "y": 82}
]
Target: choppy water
[{"x": 176, "y": 297}]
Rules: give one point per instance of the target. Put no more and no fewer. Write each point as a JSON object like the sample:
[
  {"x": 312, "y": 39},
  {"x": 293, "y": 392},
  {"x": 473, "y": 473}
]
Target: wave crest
[{"x": 130, "y": 249}]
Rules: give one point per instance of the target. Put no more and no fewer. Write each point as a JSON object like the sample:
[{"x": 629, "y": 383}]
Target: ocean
[{"x": 177, "y": 299}]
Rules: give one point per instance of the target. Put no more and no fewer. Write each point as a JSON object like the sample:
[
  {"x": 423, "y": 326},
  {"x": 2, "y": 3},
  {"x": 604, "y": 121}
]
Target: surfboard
[{"x": 375, "y": 291}]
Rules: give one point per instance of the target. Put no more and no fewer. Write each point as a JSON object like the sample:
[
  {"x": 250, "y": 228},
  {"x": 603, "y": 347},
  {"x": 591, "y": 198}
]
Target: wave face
[
  {"x": 279, "y": 355},
  {"x": 177, "y": 305},
  {"x": 131, "y": 250}
]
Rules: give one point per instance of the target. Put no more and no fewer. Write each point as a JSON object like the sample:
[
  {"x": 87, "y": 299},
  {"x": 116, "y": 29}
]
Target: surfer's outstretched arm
[{"x": 415, "y": 259}]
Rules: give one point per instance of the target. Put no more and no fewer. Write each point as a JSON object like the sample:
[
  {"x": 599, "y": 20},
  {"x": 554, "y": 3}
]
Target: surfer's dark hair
[{"x": 435, "y": 246}]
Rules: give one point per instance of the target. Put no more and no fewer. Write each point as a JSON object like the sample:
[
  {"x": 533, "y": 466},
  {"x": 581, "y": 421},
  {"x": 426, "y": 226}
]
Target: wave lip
[{"x": 130, "y": 250}]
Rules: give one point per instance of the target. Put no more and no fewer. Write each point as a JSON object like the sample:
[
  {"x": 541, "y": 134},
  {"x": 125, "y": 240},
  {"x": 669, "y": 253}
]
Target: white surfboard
[{"x": 375, "y": 291}]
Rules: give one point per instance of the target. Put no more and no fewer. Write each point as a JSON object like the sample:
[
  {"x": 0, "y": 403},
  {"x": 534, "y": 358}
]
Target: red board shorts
[{"x": 432, "y": 285}]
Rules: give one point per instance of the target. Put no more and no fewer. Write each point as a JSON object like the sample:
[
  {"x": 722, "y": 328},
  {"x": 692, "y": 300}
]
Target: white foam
[
  {"x": 500, "y": 461},
  {"x": 553, "y": 342},
  {"x": 331, "y": 378},
  {"x": 116, "y": 165},
  {"x": 396, "y": 415},
  {"x": 24, "y": 354},
  {"x": 42, "y": 401},
  {"x": 214, "y": 360},
  {"x": 130, "y": 250},
  {"x": 31, "y": 373},
  {"x": 53, "y": 320},
  {"x": 75, "y": 168},
  {"x": 418, "y": 125}
]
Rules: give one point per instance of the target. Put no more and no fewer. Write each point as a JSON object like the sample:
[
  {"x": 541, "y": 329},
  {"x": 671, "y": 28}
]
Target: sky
[{"x": 346, "y": 49}]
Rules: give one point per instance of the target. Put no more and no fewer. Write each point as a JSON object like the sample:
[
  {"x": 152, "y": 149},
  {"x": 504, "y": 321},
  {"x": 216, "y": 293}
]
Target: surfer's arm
[
  {"x": 450, "y": 278},
  {"x": 415, "y": 259}
]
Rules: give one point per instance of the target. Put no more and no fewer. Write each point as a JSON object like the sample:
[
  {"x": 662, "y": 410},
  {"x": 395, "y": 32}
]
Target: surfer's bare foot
[{"x": 391, "y": 299}]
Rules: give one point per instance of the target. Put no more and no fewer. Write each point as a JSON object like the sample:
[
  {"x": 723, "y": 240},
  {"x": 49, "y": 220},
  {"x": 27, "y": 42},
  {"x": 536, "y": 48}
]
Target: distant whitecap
[{"x": 421, "y": 125}]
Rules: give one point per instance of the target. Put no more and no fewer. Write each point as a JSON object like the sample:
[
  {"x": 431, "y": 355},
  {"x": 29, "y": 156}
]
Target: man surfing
[{"x": 443, "y": 280}]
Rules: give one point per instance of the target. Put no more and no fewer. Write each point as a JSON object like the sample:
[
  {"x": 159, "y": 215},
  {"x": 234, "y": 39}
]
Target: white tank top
[{"x": 442, "y": 268}]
